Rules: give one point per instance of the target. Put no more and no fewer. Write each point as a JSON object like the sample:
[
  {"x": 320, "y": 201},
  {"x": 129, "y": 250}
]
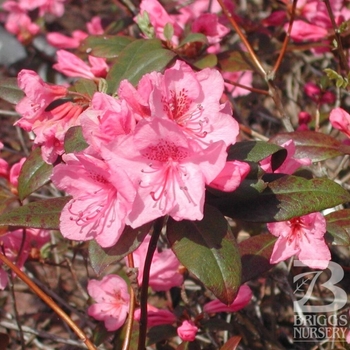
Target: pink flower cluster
[
  {"x": 112, "y": 306},
  {"x": 19, "y": 22},
  {"x": 151, "y": 153}
]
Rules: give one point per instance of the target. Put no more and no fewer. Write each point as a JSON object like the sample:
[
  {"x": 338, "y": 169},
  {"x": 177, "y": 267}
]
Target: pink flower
[
  {"x": 106, "y": 118},
  {"x": 164, "y": 273},
  {"x": 155, "y": 316},
  {"x": 62, "y": 41},
  {"x": 231, "y": 176},
  {"x": 242, "y": 299},
  {"x": 302, "y": 236},
  {"x": 290, "y": 164},
  {"x": 340, "y": 119},
  {"x": 244, "y": 78},
  {"x": 316, "y": 94},
  {"x": 101, "y": 199},
  {"x": 51, "y": 129},
  {"x": 72, "y": 66},
  {"x": 15, "y": 171},
  {"x": 38, "y": 97},
  {"x": 187, "y": 331},
  {"x": 112, "y": 301},
  {"x": 18, "y": 22},
  {"x": 191, "y": 100},
  {"x": 168, "y": 169},
  {"x": 17, "y": 247}
]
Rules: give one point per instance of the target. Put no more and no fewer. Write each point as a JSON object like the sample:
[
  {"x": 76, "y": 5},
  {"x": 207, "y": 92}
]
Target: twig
[
  {"x": 48, "y": 301},
  {"x": 130, "y": 323},
  {"x": 253, "y": 133},
  {"x": 285, "y": 43},
  {"x": 251, "y": 52},
  {"x": 12, "y": 290},
  {"x": 340, "y": 49},
  {"x": 157, "y": 229},
  {"x": 41, "y": 334},
  {"x": 251, "y": 89}
]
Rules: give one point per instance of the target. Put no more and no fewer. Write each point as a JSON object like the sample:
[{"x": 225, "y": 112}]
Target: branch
[{"x": 48, "y": 301}]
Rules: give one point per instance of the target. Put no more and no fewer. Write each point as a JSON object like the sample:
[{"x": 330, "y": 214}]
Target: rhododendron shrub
[{"x": 161, "y": 157}]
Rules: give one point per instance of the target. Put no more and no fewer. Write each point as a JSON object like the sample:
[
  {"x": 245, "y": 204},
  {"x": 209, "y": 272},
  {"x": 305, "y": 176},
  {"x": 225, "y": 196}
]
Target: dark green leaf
[
  {"x": 74, "y": 140},
  {"x": 9, "y": 90},
  {"x": 254, "y": 151},
  {"x": 42, "y": 214},
  {"x": 34, "y": 174},
  {"x": 282, "y": 199},
  {"x": 234, "y": 61},
  {"x": 138, "y": 58},
  {"x": 130, "y": 239},
  {"x": 104, "y": 45},
  {"x": 314, "y": 145},
  {"x": 338, "y": 227},
  {"x": 208, "y": 249},
  {"x": 255, "y": 255}
]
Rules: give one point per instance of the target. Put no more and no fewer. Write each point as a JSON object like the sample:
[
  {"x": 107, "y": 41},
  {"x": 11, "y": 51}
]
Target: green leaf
[
  {"x": 208, "y": 249},
  {"x": 194, "y": 38},
  {"x": 34, "y": 174},
  {"x": 138, "y": 58},
  {"x": 255, "y": 255},
  {"x": 168, "y": 31},
  {"x": 314, "y": 145},
  {"x": 254, "y": 151},
  {"x": 208, "y": 61},
  {"x": 9, "y": 90},
  {"x": 232, "y": 343},
  {"x": 42, "y": 214},
  {"x": 234, "y": 61},
  {"x": 130, "y": 239},
  {"x": 106, "y": 46},
  {"x": 338, "y": 227},
  {"x": 85, "y": 87},
  {"x": 74, "y": 140},
  {"x": 282, "y": 199}
]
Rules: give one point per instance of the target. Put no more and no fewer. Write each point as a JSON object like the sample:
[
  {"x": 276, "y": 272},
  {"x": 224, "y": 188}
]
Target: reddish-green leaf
[
  {"x": 130, "y": 239},
  {"x": 6, "y": 199},
  {"x": 314, "y": 145},
  {"x": 234, "y": 61},
  {"x": 208, "y": 249},
  {"x": 104, "y": 45},
  {"x": 282, "y": 199},
  {"x": 9, "y": 90},
  {"x": 232, "y": 343},
  {"x": 255, "y": 255},
  {"x": 338, "y": 227},
  {"x": 34, "y": 174},
  {"x": 161, "y": 333},
  {"x": 138, "y": 58},
  {"x": 42, "y": 214},
  {"x": 194, "y": 38},
  {"x": 74, "y": 140}
]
